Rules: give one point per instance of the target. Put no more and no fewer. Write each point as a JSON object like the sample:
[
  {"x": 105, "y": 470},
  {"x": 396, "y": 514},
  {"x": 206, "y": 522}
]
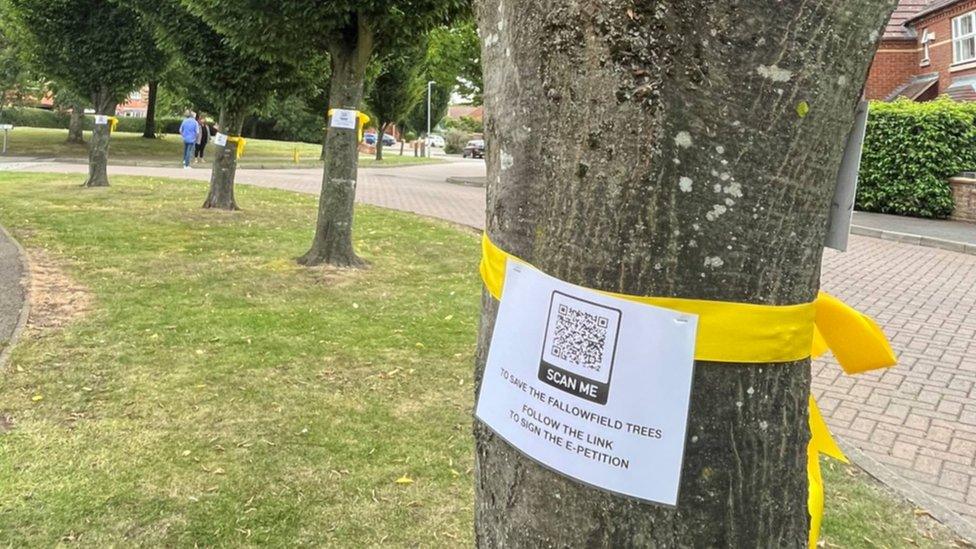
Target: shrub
[
  {"x": 465, "y": 123},
  {"x": 454, "y": 141},
  {"x": 910, "y": 151},
  {"x": 35, "y": 118}
]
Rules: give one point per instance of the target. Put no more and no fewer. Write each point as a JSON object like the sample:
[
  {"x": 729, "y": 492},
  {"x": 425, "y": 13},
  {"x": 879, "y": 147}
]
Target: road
[
  {"x": 420, "y": 189},
  {"x": 915, "y": 424}
]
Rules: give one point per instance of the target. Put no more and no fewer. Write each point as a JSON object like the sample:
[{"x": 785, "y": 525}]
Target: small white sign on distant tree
[
  {"x": 101, "y": 119},
  {"x": 344, "y": 118},
  {"x": 220, "y": 140}
]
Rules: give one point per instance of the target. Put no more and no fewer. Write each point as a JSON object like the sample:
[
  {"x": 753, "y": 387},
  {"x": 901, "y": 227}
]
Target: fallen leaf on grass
[
  {"x": 404, "y": 480},
  {"x": 37, "y": 398}
]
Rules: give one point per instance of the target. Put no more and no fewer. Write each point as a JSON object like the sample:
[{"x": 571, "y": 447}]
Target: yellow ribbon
[
  {"x": 112, "y": 123},
  {"x": 240, "y": 144},
  {"x": 362, "y": 119},
  {"x": 749, "y": 333}
]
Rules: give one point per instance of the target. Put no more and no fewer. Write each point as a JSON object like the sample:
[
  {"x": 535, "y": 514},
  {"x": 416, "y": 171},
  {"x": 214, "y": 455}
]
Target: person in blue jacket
[{"x": 188, "y": 131}]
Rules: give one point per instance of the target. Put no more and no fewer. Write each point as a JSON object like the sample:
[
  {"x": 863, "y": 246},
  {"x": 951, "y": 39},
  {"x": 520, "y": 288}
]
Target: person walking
[
  {"x": 188, "y": 131},
  {"x": 203, "y": 136}
]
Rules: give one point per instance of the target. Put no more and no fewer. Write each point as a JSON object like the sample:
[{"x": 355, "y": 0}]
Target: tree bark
[
  {"x": 722, "y": 193},
  {"x": 325, "y": 138},
  {"x": 332, "y": 243},
  {"x": 150, "y": 131},
  {"x": 221, "y": 195},
  {"x": 75, "y": 124},
  {"x": 379, "y": 140},
  {"x": 98, "y": 148}
]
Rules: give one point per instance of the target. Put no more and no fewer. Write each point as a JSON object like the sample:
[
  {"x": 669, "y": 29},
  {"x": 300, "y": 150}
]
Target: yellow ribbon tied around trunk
[
  {"x": 112, "y": 123},
  {"x": 240, "y": 142},
  {"x": 748, "y": 333}
]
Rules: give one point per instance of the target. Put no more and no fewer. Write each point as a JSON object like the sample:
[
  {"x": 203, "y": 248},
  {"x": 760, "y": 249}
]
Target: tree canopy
[
  {"x": 228, "y": 77},
  {"x": 292, "y": 29},
  {"x": 399, "y": 84},
  {"x": 94, "y": 48}
]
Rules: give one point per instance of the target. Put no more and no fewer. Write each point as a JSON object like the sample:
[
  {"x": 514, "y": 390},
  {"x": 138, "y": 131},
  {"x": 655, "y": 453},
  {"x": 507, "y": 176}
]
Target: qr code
[{"x": 579, "y": 337}]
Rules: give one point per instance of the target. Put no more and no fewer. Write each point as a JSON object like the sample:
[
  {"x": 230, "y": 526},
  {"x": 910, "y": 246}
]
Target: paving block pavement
[{"x": 919, "y": 418}]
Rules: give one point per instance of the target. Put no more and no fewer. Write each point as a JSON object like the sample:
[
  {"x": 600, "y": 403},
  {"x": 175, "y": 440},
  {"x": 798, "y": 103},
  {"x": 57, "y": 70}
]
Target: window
[
  {"x": 136, "y": 95},
  {"x": 964, "y": 38},
  {"x": 927, "y": 38}
]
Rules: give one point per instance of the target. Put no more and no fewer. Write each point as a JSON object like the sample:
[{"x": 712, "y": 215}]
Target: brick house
[{"x": 928, "y": 49}]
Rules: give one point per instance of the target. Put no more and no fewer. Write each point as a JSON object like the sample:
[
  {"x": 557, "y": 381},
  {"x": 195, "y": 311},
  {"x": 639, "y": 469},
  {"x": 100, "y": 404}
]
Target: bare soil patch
[{"x": 55, "y": 298}]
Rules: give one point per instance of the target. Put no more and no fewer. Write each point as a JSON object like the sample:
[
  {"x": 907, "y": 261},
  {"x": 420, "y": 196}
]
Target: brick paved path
[
  {"x": 419, "y": 189},
  {"x": 918, "y": 419}
]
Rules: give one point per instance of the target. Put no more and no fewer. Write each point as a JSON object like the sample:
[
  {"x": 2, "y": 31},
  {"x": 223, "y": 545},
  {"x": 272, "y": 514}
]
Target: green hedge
[
  {"x": 43, "y": 118},
  {"x": 910, "y": 151}
]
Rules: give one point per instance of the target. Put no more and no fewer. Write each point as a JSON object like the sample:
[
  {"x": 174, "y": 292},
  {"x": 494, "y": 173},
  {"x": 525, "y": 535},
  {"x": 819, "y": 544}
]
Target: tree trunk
[
  {"x": 98, "y": 148},
  {"x": 75, "y": 124},
  {"x": 379, "y": 140},
  {"x": 332, "y": 243},
  {"x": 221, "y": 195},
  {"x": 401, "y": 144},
  {"x": 150, "y": 131},
  {"x": 721, "y": 194},
  {"x": 325, "y": 139}
]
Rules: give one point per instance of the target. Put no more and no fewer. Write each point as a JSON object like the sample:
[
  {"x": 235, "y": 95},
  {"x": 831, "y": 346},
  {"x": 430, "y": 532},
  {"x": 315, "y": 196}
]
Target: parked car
[
  {"x": 474, "y": 149},
  {"x": 388, "y": 140},
  {"x": 434, "y": 140}
]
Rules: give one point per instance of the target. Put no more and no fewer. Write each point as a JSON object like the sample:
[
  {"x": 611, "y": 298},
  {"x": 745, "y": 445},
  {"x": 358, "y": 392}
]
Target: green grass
[
  {"x": 131, "y": 148},
  {"x": 216, "y": 394}
]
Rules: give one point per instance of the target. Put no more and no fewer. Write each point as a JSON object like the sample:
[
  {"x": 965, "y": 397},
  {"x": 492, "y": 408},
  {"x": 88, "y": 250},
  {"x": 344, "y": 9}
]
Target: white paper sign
[
  {"x": 344, "y": 118},
  {"x": 101, "y": 119},
  {"x": 591, "y": 386},
  {"x": 220, "y": 140},
  {"x": 6, "y": 127}
]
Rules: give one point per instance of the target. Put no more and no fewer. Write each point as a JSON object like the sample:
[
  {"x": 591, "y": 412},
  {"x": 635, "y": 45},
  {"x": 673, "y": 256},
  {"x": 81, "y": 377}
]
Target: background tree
[
  {"x": 349, "y": 31},
  {"x": 65, "y": 99},
  {"x": 233, "y": 80},
  {"x": 397, "y": 88},
  {"x": 17, "y": 81},
  {"x": 93, "y": 48},
  {"x": 150, "y": 130},
  {"x": 719, "y": 191},
  {"x": 455, "y": 53},
  {"x": 453, "y": 63}
]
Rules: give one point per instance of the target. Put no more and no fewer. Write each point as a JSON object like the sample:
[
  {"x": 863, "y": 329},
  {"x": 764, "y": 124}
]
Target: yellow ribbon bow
[
  {"x": 749, "y": 333},
  {"x": 240, "y": 141},
  {"x": 361, "y": 120},
  {"x": 112, "y": 123}
]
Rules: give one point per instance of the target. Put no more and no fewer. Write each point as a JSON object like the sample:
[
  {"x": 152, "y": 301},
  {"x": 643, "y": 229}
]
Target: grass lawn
[
  {"x": 216, "y": 394},
  {"x": 131, "y": 148}
]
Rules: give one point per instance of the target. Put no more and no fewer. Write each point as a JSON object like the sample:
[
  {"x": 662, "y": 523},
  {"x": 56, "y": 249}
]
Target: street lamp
[{"x": 427, "y": 137}]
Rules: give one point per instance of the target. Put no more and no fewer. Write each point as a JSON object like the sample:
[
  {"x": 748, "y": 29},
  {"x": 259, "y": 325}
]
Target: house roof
[
  {"x": 907, "y": 9},
  {"x": 915, "y": 86},
  {"x": 931, "y": 7},
  {"x": 962, "y": 88}
]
